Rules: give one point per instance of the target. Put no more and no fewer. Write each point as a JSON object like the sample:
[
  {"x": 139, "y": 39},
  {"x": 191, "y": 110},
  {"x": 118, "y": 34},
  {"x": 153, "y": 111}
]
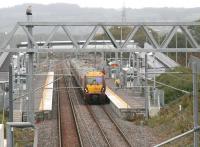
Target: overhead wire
[{"x": 19, "y": 97}]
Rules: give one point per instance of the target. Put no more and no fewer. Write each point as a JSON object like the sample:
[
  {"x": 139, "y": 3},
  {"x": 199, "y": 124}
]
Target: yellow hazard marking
[{"x": 118, "y": 101}]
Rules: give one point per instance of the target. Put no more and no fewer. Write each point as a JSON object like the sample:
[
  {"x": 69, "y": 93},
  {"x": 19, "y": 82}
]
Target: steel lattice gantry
[
  {"x": 118, "y": 47},
  {"x": 163, "y": 47}
]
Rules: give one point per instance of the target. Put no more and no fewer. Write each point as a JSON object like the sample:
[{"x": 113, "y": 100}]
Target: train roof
[
  {"x": 94, "y": 74},
  {"x": 82, "y": 66}
]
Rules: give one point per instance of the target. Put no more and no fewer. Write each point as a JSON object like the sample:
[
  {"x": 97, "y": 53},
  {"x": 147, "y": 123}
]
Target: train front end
[{"x": 94, "y": 87}]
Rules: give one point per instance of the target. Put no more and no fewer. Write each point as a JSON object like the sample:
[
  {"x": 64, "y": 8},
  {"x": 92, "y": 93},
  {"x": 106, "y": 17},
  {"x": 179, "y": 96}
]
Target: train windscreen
[{"x": 94, "y": 80}]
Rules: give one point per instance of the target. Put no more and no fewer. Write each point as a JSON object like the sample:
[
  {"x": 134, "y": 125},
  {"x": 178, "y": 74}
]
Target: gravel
[
  {"x": 139, "y": 136},
  {"x": 90, "y": 133},
  {"x": 47, "y": 133},
  {"x": 109, "y": 128}
]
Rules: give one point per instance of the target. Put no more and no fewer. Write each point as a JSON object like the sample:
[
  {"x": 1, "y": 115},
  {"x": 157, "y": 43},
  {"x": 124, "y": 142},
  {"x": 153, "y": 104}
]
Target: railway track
[
  {"x": 89, "y": 139},
  {"x": 99, "y": 126},
  {"x": 116, "y": 131},
  {"x": 105, "y": 136},
  {"x": 58, "y": 114},
  {"x": 95, "y": 134},
  {"x": 69, "y": 133},
  {"x": 117, "y": 126}
]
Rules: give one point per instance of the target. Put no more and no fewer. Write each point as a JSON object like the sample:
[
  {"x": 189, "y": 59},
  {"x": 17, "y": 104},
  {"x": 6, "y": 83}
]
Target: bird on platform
[{"x": 29, "y": 10}]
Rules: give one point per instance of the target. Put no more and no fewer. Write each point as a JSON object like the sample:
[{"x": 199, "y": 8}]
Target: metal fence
[{"x": 156, "y": 98}]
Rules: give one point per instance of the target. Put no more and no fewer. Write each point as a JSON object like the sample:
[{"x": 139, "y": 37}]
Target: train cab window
[
  {"x": 94, "y": 80},
  {"x": 99, "y": 80}
]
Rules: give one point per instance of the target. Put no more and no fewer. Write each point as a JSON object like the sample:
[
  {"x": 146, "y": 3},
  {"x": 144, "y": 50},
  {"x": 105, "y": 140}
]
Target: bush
[{"x": 181, "y": 81}]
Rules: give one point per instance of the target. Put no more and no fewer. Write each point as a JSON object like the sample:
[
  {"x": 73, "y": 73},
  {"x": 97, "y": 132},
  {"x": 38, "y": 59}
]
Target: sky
[{"x": 111, "y": 3}]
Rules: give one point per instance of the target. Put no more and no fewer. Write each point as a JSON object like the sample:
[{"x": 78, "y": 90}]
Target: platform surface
[
  {"x": 128, "y": 96},
  {"x": 4, "y": 77},
  {"x": 47, "y": 96}
]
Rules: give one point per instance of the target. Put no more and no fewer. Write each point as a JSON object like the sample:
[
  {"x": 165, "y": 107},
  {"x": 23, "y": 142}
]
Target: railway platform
[
  {"x": 44, "y": 98},
  {"x": 3, "y": 77},
  {"x": 124, "y": 101},
  {"x": 43, "y": 95},
  {"x": 46, "y": 122},
  {"x": 47, "y": 95}
]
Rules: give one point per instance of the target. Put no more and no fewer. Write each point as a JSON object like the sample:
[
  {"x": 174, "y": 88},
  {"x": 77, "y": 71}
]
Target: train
[{"x": 91, "y": 81}]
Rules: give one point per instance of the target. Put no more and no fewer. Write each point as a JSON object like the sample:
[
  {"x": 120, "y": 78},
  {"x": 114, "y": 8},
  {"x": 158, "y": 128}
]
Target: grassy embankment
[{"x": 171, "y": 121}]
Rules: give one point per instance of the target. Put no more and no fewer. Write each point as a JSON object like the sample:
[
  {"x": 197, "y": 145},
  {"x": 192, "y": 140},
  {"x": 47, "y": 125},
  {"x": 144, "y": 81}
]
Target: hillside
[
  {"x": 71, "y": 12},
  {"x": 172, "y": 121}
]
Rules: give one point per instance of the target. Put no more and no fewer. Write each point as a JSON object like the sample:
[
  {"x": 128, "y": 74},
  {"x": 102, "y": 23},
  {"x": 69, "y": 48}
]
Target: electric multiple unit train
[{"x": 91, "y": 81}]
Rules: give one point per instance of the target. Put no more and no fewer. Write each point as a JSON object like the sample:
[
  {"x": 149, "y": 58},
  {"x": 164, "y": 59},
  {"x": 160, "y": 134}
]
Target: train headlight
[
  {"x": 86, "y": 90},
  {"x": 103, "y": 89}
]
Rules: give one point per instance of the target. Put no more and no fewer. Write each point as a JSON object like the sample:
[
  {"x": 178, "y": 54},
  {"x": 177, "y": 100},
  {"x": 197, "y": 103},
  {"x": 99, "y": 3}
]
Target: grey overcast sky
[{"x": 111, "y": 3}]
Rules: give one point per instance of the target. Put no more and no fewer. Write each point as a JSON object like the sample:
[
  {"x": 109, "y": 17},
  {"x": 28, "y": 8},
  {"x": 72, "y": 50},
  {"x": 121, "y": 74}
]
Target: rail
[
  {"x": 99, "y": 125},
  {"x": 59, "y": 117},
  {"x": 74, "y": 115},
  {"x": 117, "y": 126}
]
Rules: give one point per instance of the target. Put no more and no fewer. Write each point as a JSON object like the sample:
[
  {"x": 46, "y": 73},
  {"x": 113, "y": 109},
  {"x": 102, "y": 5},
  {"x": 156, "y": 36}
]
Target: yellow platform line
[{"x": 116, "y": 99}]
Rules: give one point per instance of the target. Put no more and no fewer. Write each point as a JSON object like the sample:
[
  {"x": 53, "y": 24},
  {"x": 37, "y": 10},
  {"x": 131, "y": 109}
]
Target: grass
[
  {"x": 171, "y": 116},
  {"x": 182, "y": 80},
  {"x": 22, "y": 137},
  {"x": 171, "y": 121}
]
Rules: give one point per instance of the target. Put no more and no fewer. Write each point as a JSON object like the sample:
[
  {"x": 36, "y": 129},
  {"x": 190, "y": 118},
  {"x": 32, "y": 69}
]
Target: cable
[
  {"x": 37, "y": 89},
  {"x": 187, "y": 92}
]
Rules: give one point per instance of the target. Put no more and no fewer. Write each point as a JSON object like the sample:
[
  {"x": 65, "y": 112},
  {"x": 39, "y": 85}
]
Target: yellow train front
[
  {"x": 94, "y": 88},
  {"x": 91, "y": 81}
]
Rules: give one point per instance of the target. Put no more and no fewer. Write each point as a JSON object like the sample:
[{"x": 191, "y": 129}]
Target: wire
[
  {"x": 40, "y": 86},
  {"x": 187, "y": 92},
  {"x": 37, "y": 89}
]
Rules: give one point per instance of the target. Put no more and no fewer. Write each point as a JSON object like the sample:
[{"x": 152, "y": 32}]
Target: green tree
[{"x": 139, "y": 38}]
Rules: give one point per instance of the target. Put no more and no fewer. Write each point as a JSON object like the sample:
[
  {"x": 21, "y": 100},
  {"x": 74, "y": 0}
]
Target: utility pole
[
  {"x": 18, "y": 80},
  {"x": 138, "y": 72},
  {"x": 121, "y": 31},
  {"x": 30, "y": 73},
  {"x": 146, "y": 91},
  {"x": 195, "y": 102},
  {"x": 186, "y": 60},
  {"x": 10, "y": 93},
  {"x": 9, "y": 136},
  {"x": 121, "y": 53},
  {"x": 154, "y": 82},
  {"x": 176, "y": 47}
]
